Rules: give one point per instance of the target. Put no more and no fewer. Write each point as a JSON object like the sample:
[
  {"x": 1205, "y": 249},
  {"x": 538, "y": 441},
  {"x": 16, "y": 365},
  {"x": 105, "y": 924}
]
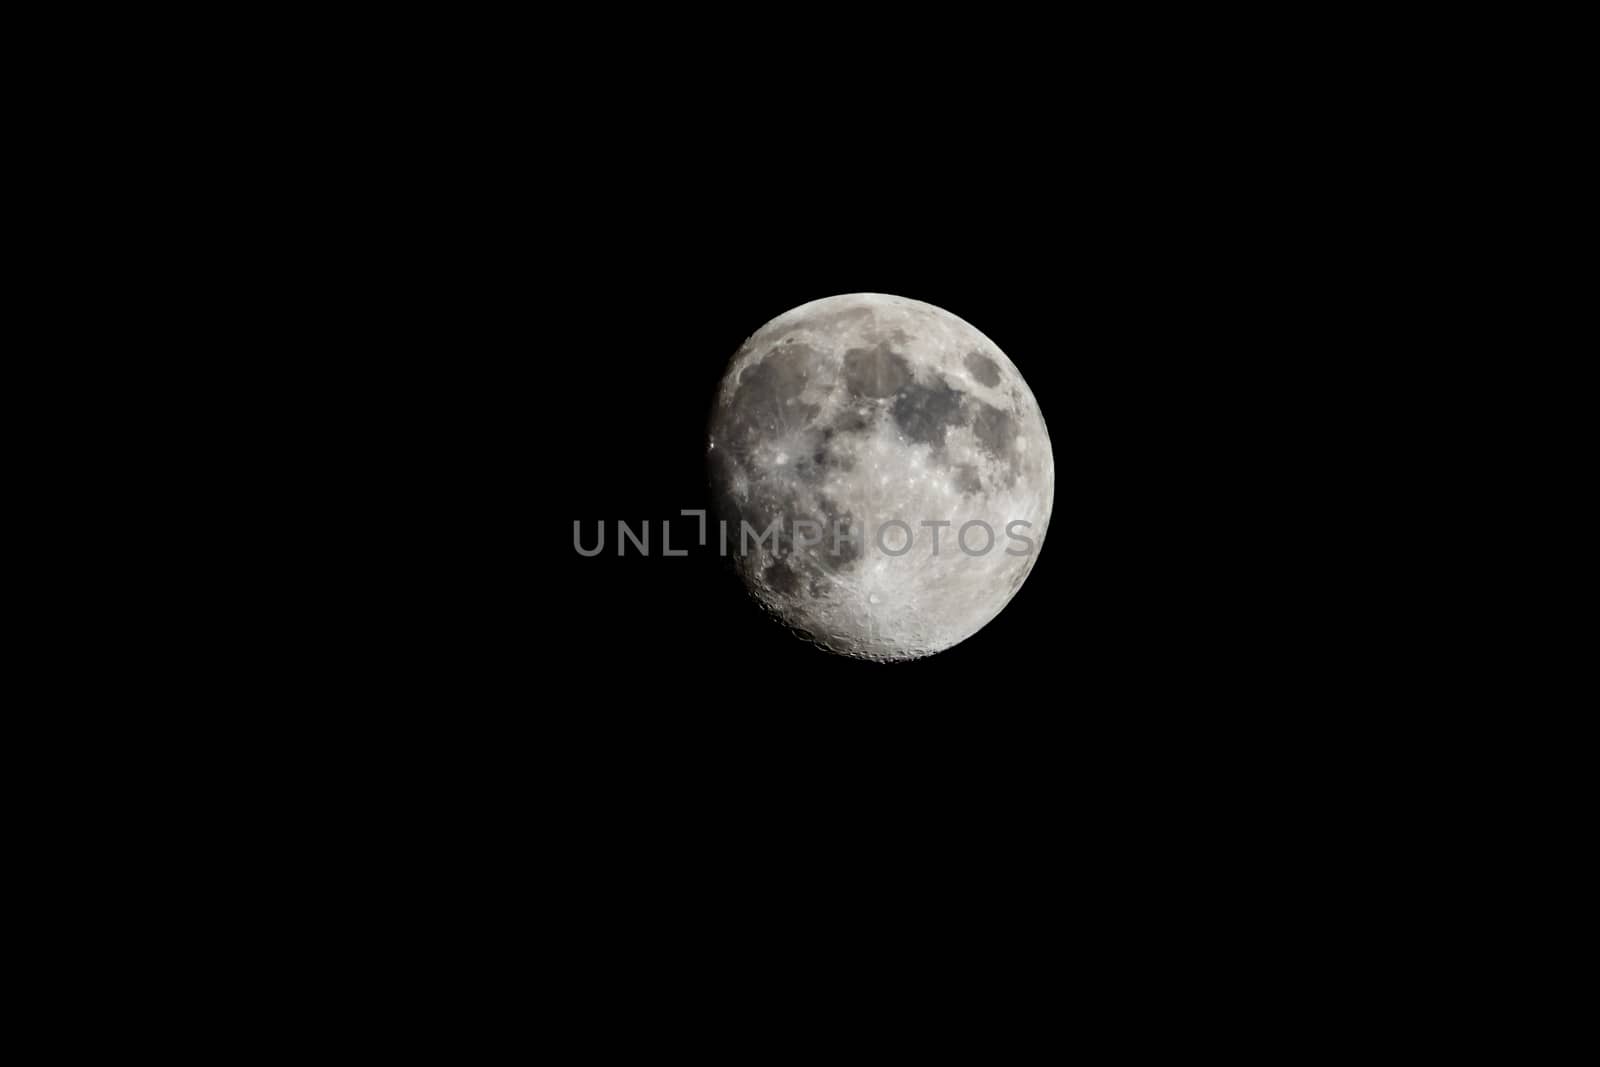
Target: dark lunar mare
[
  {"x": 768, "y": 396},
  {"x": 983, "y": 368},
  {"x": 925, "y": 412},
  {"x": 875, "y": 372},
  {"x": 996, "y": 432}
]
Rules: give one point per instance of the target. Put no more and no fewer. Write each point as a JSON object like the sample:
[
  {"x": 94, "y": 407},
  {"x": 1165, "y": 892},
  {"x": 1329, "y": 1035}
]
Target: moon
[{"x": 881, "y": 436}]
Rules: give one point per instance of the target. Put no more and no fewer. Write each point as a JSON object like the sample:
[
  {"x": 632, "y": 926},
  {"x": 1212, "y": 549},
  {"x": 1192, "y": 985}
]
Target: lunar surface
[{"x": 882, "y": 436}]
